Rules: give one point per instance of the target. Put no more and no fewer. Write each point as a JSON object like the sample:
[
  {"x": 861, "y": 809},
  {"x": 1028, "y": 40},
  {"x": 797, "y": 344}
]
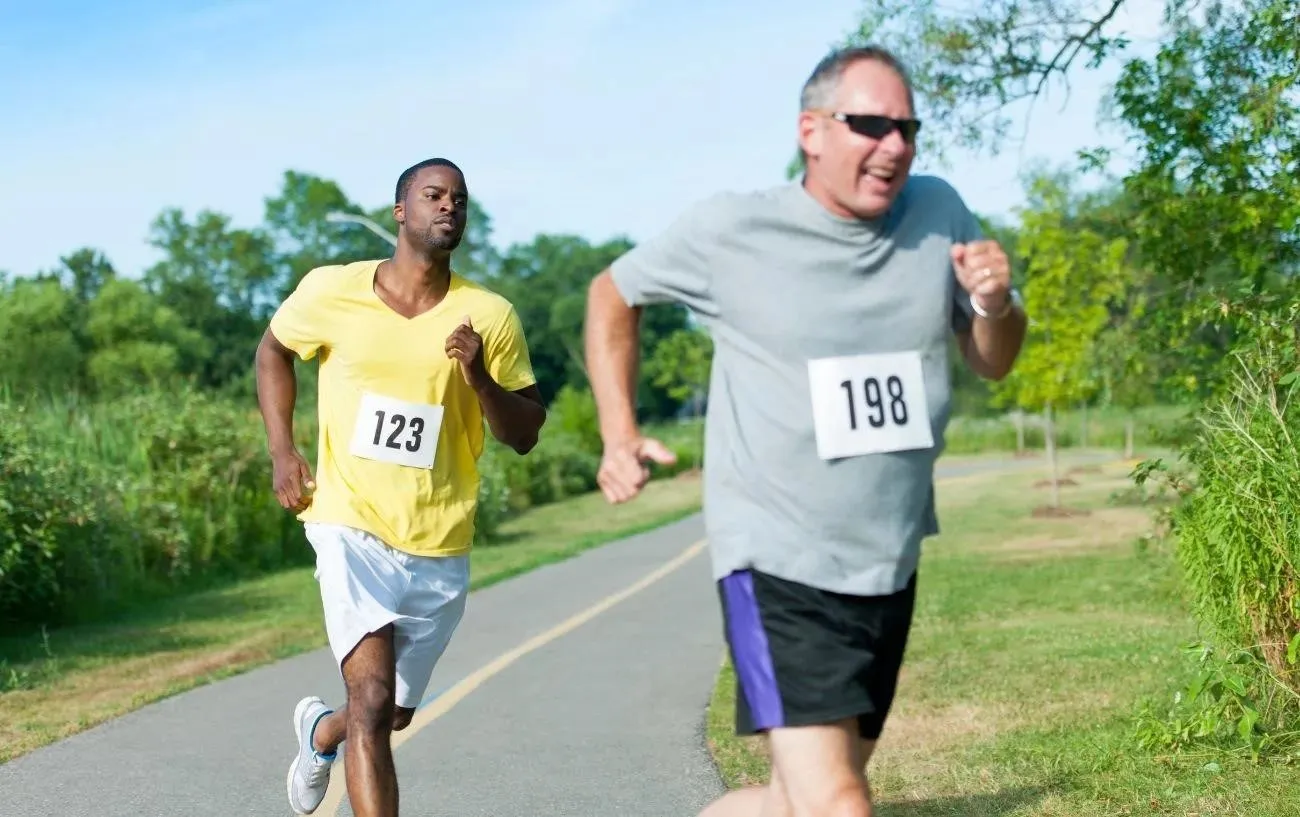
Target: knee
[
  {"x": 370, "y": 706},
  {"x": 402, "y": 718}
]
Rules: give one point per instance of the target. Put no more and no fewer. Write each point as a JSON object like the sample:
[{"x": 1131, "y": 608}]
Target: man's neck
[{"x": 416, "y": 275}]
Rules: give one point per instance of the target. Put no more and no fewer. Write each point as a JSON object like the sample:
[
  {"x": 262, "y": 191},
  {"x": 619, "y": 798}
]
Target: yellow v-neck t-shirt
[{"x": 400, "y": 430}]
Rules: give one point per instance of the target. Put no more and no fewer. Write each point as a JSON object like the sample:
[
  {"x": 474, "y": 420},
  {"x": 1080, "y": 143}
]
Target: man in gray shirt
[{"x": 830, "y": 303}]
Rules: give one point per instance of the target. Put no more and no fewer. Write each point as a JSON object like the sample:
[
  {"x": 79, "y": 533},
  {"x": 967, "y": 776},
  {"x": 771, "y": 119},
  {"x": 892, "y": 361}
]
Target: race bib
[
  {"x": 869, "y": 404},
  {"x": 395, "y": 431}
]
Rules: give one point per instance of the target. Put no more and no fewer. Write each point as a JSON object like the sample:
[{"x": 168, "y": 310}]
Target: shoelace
[{"x": 317, "y": 772}]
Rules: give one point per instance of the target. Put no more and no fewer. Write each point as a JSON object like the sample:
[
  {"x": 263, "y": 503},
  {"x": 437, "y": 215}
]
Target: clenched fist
[
  {"x": 291, "y": 480},
  {"x": 984, "y": 271},
  {"x": 623, "y": 471},
  {"x": 466, "y": 346}
]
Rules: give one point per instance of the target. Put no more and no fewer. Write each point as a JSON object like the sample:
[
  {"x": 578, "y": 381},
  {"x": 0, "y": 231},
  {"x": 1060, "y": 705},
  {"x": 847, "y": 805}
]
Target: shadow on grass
[{"x": 1000, "y": 804}]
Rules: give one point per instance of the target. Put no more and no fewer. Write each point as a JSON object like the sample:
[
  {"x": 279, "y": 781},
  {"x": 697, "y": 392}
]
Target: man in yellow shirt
[{"x": 413, "y": 359}]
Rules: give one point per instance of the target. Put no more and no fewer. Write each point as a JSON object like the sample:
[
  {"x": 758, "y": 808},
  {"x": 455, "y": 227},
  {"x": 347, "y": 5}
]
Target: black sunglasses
[{"x": 878, "y": 127}]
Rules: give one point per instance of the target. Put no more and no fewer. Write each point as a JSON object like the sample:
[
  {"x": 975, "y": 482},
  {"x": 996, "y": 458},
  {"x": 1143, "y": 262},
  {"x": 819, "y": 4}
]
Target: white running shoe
[{"x": 309, "y": 774}]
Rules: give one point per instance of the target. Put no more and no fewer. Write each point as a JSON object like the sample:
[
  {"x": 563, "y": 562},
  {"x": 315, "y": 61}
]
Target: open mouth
[{"x": 881, "y": 173}]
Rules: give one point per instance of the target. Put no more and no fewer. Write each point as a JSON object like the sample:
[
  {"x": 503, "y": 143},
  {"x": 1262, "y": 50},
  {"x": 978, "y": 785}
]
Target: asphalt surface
[{"x": 607, "y": 718}]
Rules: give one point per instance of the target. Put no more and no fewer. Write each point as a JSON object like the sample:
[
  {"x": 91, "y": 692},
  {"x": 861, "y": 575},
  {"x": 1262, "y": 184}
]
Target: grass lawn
[
  {"x": 78, "y": 677},
  {"x": 1037, "y": 640}
]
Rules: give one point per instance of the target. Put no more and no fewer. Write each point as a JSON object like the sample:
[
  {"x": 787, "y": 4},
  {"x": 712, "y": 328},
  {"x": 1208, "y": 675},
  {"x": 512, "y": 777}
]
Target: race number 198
[{"x": 869, "y": 404}]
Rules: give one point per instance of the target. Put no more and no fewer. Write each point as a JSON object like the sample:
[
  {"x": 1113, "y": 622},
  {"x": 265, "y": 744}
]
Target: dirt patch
[
  {"x": 915, "y": 730},
  {"x": 689, "y": 473},
  {"x": 1065, "y": 482},
  {"x": 1048, "y": 512},
  {"x": 1084, "y": 469},
  {"x": 918, "y": 746},
  {"x": 1108, "y": 528}
]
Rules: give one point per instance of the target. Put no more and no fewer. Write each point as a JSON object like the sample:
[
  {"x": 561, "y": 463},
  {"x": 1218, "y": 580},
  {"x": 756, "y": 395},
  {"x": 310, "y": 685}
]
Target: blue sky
[{"x": 596, "y": 117}]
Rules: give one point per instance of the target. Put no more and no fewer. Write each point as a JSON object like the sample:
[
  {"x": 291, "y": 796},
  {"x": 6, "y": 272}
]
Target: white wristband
[{"x": 1006, "y": 309}]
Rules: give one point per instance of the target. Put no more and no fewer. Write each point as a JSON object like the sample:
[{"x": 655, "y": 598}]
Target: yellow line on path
[{"x": 443, "y": 703}]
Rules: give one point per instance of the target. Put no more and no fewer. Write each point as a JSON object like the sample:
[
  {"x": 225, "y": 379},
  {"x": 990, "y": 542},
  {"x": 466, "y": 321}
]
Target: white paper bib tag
[
  {"x": 396, "y": 431},
  {"x": 869, "y": 404}
]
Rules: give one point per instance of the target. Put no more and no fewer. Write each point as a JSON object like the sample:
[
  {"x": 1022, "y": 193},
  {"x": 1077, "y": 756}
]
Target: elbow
[
  {"x": 527, "y": 439},
  {"x": 997, "y": 373},
  {"x": 525, "y": 442}
]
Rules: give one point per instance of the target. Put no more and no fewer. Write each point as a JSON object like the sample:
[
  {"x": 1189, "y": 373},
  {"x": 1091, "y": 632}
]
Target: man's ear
[
  {"x": 811, "y": 134},
  {"x": 399, "y": 213}
]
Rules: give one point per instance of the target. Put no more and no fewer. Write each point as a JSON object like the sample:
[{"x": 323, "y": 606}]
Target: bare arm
[
  {"x": 612, "y": 340},
  {"x": 515, "y": 417},
  {"x": 993, "y": 344},
  {"x": 277, "y": 392}
]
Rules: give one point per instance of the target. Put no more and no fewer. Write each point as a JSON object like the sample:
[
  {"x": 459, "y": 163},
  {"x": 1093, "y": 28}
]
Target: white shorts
[{"x": 365, "y": 585}]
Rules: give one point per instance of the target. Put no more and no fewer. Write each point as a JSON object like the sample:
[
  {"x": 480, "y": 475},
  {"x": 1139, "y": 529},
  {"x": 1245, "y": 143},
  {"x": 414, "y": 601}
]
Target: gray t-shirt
[{"x": 778, "y": 281}]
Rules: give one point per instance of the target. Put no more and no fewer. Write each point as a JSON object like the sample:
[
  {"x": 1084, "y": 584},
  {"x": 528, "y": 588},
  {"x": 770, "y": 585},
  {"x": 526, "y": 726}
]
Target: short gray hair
[{"x": 819, "y": 90}]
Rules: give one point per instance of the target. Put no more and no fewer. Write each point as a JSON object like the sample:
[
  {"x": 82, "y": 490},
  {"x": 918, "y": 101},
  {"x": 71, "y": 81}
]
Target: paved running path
[{"x": 606, "y": 717}]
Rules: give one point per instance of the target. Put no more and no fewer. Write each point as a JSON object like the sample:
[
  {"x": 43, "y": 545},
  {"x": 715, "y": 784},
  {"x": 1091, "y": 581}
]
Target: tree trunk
[
  {"x": 1019, "y": 419},
  {"x": 1083, "y": 441},
  {"x": 1128, "y": 437},
  {"x": 1049, "y": 434}
]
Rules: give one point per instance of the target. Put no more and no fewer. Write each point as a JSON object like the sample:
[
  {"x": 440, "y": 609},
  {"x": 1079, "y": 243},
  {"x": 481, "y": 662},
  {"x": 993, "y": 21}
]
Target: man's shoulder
[
  {"x": 730, "y": 205},
  {"x": 484, "y": 298},
  {"x": 332, "y": 277},
  {"x": 926, "y": 193}
]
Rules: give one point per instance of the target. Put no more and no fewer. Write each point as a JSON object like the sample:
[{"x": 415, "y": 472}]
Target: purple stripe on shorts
[{"x": 750, "y": 653}]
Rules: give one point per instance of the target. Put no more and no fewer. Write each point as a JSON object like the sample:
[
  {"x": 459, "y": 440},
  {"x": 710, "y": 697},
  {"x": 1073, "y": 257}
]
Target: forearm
[
  {"x": 277, "y": 393},
  {"x": 995, "y": 343},
  {"x": 612, "y": 340},
  {"x": 515, "y": 419}
]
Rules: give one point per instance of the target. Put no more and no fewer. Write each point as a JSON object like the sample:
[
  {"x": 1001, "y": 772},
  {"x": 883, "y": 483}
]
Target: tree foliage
[
  {"x": 680, "y": 364},
  {"x": 1203, "y": 233},
  {"x": 196, "y": 315}
]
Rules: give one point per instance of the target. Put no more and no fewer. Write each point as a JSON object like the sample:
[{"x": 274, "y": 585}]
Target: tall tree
[
  {"x": 137, "y": 340},
  {"x": 1216, "y": 116},
  {"x": 298, "y": 221},
  {"x": 1073, "y": 274},
  {"x": 220, "y": 281},
  {"x": 38, "y": 332},
  {"x": 547, "y": 281}
]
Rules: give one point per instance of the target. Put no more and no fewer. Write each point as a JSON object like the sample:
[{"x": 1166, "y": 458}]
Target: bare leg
[
  {"x": 840, "y": 774},
  {"x": 333, "y": 728},
  {"x": 369, "y": 673}
]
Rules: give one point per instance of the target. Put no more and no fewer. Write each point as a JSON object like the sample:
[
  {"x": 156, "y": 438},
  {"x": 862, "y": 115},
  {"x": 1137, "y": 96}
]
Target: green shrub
[
  {"x": 1238, "y": 539},
  {"x": 106, "y": 503},
  {"x": 493, "y": 493},
  {"x": 1237, "y": 542},
  {"x": 110, "y": 502}
]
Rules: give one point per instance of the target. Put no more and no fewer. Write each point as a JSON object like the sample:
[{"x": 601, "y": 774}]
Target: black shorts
[{"x": 805, "y": 656}]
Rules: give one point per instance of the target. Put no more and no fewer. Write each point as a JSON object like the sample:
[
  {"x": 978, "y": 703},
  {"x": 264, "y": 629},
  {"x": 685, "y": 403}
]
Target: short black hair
[{"x": 408, "y": 175}]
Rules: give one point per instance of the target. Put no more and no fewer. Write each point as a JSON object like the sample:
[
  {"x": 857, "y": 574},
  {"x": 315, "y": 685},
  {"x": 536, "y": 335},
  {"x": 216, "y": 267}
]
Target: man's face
[
  {"x": 434, "y": 210},
  {"x": 861, "y": 175}
]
